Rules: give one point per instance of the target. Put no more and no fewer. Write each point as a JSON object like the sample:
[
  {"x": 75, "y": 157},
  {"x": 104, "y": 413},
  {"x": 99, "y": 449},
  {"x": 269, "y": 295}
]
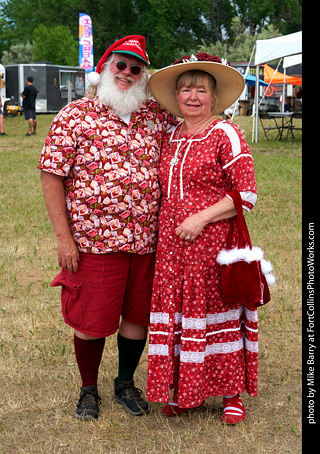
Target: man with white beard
[{"x": 100, "y": 184}]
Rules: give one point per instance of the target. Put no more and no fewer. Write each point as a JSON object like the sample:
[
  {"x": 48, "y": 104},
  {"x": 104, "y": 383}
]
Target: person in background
[
  {"x": 199, "y": 346},
  {"x": 29, "y": 96},
  {"x": 2, "y": 133},
  {"x": 100, "y": 183}
]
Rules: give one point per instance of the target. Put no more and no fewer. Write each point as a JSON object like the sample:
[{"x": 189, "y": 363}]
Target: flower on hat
[
  {"x": 192, "y": 58},
  {"x": 201, "y": 56}
]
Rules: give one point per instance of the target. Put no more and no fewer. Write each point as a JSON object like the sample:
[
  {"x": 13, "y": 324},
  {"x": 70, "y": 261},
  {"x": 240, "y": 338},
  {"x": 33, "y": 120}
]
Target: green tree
[
  {"x": 55, "y": 45},
  {"x": 241, "y": 47},
  {"x": 256, "y": 14},
  {"x": 218, "y": 16},
  {"x": 18, "y": 53},
  {"x": 171, "y": 28},
  {"x": 287, "y": 14}
]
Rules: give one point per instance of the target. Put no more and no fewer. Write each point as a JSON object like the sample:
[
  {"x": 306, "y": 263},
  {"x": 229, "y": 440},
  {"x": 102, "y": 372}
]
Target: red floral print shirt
[{"x": 110, "y": 173}]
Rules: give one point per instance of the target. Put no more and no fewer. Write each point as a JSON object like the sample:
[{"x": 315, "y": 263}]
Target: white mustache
[
  {"x": 126, "y": 78},
  {"x": 121, "y": 101}
]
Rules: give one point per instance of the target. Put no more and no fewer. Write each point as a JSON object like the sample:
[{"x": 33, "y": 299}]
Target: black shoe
[
  {"x": 130, "y": 398},
  {"x": 88, "y": 405}
]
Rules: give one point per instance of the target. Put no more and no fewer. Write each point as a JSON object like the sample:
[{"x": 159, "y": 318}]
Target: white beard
[{"x": 121, "y": 101}]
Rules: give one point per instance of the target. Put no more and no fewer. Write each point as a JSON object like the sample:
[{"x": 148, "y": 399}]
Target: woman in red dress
[{"x": 198, "y": 345}]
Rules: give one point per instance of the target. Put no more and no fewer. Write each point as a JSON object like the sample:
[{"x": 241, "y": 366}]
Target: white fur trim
[
  {"x": 270, "y": 279},
  {"x": 248, "y": 255},
  {"x": 94, "y": 79},
  {"x": 235, "y": 255},
  {"x": 266, "y": 266}
]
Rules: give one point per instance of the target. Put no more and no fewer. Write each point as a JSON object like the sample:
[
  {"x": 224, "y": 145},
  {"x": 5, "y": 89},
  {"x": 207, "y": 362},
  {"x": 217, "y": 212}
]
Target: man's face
[
  {"x": 124, "y": 79},
  {"x": 119, "y": 88}
]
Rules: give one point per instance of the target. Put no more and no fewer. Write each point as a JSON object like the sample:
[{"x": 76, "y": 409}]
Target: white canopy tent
[
  {"x": 288, "y": 47},
  {"x": 292, "y": 60}
]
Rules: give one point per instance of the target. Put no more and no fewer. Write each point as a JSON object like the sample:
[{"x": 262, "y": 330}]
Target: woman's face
[{"x": 195, "y": 101}]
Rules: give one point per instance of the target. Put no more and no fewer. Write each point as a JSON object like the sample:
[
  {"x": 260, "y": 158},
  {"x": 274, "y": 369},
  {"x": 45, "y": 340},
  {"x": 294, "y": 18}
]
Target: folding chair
[{"x": 266, "y": 129}]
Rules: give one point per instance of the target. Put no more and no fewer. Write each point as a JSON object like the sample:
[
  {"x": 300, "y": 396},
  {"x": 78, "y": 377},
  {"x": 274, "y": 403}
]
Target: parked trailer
[{"x": 57, "y": 85}]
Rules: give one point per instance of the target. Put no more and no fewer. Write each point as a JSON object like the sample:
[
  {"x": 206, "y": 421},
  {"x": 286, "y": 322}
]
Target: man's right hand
[
  {"x": 54, "y": 196},
  {"x": 68, "y": 254}
]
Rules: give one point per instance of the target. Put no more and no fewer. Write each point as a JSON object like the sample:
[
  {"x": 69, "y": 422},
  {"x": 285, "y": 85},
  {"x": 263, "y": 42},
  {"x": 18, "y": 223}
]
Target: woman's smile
[{"x": 195, "y": 101}]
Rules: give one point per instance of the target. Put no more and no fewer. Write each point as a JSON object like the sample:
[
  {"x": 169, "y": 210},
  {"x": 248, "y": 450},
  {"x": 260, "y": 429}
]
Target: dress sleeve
[
  {"x": 59, "y": 150},
  {"x": 237, "y": 163}
]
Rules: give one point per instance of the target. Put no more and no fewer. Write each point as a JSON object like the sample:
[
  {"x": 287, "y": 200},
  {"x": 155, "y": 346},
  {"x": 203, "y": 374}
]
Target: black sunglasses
[{"x": 121, "y": 65}]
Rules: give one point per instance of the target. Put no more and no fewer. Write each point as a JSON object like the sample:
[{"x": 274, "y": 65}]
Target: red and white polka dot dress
[{"x": 199, "y": 345}]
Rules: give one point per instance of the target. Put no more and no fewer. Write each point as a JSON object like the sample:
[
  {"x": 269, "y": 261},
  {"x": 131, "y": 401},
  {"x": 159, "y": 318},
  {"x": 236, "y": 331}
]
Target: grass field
[{"x": 39, "y": 380}]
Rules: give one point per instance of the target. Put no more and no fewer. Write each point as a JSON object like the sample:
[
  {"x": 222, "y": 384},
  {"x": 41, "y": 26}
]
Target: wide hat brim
[{"x": 229, "y": 84}]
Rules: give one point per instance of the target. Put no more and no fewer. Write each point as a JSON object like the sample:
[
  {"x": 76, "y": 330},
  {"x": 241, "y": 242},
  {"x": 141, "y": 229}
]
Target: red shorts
[{"x": 104, "y": 288}]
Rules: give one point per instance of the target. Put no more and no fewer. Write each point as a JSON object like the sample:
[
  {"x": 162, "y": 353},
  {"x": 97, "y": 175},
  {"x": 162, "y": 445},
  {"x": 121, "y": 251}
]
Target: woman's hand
[{"x": 191, "y": 227}]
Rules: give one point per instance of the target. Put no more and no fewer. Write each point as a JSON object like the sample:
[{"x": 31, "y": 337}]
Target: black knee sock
[{"x": 130, "y": 352}]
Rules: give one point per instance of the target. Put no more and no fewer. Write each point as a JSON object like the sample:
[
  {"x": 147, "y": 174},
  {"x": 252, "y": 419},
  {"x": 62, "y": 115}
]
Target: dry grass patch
[{"x": 39, "y": 379}]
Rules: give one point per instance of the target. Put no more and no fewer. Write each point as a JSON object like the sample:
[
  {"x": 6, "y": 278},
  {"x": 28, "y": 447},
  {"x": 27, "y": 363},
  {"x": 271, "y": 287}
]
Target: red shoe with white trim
[{"x": 233, "y": 410}]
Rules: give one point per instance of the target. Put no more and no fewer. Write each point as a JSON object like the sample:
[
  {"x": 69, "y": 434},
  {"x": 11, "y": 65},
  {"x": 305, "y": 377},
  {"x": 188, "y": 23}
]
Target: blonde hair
[{"x": 194, "y": 78}]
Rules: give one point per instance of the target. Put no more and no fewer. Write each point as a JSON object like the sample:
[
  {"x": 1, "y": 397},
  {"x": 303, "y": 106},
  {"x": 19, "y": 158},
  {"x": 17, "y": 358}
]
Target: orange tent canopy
[{"x": 278, "y": 78}]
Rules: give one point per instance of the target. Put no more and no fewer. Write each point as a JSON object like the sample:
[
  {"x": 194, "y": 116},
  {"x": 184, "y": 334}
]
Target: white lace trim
[
  {"x": 249, "y": 196},
  {"x": 222, "y": 317},
  {"x": 201, "y": 323},
  {"x": 158, "y": 349},
  {"x": 251, "y": 346},
  {"x": 250, "y": 315},
  {"x": 212, "y": 333},
  {"x": 213, "y": 349},
  {"x": 159, "y": 317},
  {"x": 194, "y": 323},
  {"x": 244, "y": 155},
  {"x": 233, "y": 137}
]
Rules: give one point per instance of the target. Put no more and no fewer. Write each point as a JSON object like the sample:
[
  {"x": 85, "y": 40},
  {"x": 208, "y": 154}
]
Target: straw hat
[{"x": 229, "y": 82}]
